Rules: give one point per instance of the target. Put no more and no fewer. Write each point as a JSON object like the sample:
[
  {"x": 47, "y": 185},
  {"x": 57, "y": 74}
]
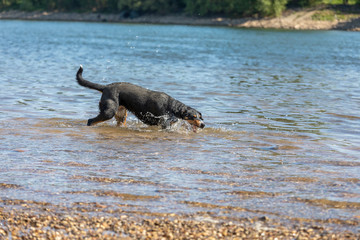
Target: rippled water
[{"x": 282, "y": 114}]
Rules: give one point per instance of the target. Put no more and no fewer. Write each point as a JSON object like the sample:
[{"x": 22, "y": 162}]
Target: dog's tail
[{"x": 86, "y": 83}]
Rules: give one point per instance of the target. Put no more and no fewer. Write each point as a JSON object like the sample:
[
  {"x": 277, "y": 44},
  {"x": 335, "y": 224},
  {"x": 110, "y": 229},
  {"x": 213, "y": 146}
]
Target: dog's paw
[{"x": 90, "y": 121}]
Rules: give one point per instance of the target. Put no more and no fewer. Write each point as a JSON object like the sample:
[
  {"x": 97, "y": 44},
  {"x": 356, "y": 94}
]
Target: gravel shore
[
  {"x": 299, "y": 20},
  {"x": 21, "y": 219}
]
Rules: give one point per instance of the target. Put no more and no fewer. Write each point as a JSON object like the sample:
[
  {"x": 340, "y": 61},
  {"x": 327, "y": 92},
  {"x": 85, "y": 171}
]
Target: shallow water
[{"x": 282, "y": 114}]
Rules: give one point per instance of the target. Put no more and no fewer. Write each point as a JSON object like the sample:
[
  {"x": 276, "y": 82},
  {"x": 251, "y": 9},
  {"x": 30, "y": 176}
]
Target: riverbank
[
  {"x": 40, "y": 220},
  {"x": 323, "y": 18}
]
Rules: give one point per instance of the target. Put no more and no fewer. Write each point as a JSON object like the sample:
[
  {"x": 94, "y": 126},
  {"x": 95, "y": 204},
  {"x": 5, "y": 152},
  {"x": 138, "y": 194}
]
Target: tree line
[{"x": 230, "y": 8}]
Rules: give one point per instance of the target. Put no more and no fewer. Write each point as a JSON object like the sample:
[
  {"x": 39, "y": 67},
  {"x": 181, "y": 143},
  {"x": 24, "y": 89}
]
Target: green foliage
[
  {"x": 229, "y": 8},
  {"x": 271, "y": 7},
  {"x": 331, "y": 15},
  {"x": 327, "y": 15},
  {"x": 26, "y": 5},
  {"x": 220, "y": 7},
  {"x": 337, "y": 2},
  {"x": 306, "y": 3},
  {"x": 310, "y": 3},
  {"x": 149, "y": 6}
]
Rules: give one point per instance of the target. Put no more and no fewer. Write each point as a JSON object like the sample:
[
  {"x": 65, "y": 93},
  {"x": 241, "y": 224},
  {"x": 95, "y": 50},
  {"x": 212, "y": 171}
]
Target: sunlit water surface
[{"x": 282, "y": 114}]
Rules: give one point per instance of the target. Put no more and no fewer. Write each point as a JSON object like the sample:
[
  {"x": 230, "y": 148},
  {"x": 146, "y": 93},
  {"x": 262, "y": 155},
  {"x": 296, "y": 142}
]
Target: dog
[{"x": 151, "y": 107}]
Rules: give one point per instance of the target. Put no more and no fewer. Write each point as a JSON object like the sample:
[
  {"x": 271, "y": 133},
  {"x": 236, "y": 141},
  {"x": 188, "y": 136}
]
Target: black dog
[{"x": 151, "y": 107}]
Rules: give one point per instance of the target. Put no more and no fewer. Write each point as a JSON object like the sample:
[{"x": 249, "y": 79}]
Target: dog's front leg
[
  {"x": 121, "y": 115},
  {"x": 169, "y": 122}
]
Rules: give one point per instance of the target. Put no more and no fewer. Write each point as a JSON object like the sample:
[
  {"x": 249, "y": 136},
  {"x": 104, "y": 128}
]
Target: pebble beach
[{"x": 40, "y": 220}]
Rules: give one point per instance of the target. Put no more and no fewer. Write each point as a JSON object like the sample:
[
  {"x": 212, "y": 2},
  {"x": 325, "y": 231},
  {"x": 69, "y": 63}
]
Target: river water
[{"x": 282, "y": 114}]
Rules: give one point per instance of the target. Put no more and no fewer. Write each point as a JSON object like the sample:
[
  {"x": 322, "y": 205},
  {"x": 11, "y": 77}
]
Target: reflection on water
[
  {"x": 233, "y": 174},
  {"x": 281, "y": 136}
]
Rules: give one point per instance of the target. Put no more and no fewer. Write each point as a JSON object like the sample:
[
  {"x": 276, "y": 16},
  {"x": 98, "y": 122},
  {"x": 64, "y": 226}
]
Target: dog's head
[{"x": 194, "y": 118}]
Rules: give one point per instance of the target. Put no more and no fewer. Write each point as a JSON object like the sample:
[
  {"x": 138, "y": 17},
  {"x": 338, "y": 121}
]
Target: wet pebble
[{"x": 32, "y": 223}]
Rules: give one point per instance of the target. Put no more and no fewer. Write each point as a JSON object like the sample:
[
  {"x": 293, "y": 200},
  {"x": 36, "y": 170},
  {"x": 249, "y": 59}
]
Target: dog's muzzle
[{"x": 197, "y": 123}]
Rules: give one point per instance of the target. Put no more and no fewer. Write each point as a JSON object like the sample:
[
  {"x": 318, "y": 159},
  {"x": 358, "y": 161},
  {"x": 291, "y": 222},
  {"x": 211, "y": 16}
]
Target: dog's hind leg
[
  {"x": 107, "y": 111},
  {"x": 121, "y": 115}
]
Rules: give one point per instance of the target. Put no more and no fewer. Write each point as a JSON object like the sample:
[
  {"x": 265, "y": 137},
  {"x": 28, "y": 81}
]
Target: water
[{"x": 282, "y": 114}]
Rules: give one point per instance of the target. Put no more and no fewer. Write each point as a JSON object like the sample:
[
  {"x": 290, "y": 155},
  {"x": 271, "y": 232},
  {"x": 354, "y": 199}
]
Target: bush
[
  {"x": 304, "y": 3},
  {"x": 229, "y": 8},
  {"x": 235, "y": 8},
  {"x": 271, "y": 7},
  {"x": 27, "y": 5},
  {"x": 149, "y": 6}
]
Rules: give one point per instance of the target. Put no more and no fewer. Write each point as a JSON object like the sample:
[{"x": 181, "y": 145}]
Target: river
[{"x": 281, "y": 108}]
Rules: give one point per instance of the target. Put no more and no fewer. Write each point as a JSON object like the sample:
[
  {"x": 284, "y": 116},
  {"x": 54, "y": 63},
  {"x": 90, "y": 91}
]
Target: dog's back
[{"x": 143, "y": 102}]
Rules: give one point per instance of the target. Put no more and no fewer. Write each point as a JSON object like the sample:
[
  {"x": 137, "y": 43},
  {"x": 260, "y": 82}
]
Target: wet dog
[{"x": 151, "y": 107}]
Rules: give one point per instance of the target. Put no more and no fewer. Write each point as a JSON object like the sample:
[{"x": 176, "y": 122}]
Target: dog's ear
[{"x": 183, "y": 113}]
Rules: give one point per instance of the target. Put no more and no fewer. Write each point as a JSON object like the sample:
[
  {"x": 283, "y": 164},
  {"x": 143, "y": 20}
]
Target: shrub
[
  {"x": 271, "y": 7},
  {"x": 27, "y": 5}
]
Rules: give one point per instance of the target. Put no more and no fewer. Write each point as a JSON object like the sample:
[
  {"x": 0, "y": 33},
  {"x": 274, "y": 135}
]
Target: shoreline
[
  {"x": 290, "y": 20},
  {"x": 92, "y": 220}
]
